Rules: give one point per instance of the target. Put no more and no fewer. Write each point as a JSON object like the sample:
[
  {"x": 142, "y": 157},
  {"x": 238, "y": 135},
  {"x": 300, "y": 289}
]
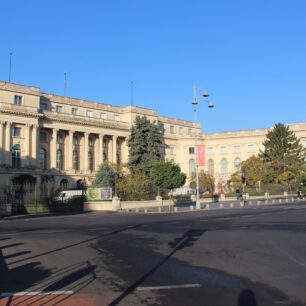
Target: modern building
[{"x": 61, "y": 141}]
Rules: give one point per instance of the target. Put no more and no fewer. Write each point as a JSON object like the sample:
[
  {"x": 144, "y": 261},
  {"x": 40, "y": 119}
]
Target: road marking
[
  {"x": 23, "y": 293},
  {"x": 168, "y": 287}
]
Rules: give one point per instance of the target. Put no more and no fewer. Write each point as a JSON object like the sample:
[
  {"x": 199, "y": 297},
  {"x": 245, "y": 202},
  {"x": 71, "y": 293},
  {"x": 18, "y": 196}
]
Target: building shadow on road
[{"x": 188, "y": 239}]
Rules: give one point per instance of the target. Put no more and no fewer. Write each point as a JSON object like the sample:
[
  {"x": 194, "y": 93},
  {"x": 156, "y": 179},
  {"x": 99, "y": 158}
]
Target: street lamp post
[{"x": 205, "y": 95}]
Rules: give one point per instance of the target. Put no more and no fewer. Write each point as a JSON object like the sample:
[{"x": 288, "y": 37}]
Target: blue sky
[{"x": 249, "y": 55}]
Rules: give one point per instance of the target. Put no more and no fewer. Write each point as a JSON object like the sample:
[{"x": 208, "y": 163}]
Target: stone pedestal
[
  {"x": 159, "y": 200},
  {"x": 116, "y": 203}
]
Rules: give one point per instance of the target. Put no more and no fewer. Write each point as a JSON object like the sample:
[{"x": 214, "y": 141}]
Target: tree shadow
[
  {"x": 247, "y": 298},
  {"x": 188, "y": 239}
]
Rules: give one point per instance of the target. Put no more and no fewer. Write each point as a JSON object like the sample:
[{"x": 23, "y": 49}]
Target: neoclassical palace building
[{"x": 63, "y": 140}]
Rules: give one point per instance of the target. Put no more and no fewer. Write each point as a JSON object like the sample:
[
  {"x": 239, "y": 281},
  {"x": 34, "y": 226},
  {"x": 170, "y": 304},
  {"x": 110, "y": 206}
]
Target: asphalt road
[{"x": 240, "y": 257}]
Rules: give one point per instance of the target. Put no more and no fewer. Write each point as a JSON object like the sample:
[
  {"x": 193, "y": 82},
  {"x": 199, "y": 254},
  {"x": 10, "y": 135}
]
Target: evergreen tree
[
  {"x": 145, "y": 145},
  {"x": 282, "y": 151},
  {"x": 105, "y": 177}
]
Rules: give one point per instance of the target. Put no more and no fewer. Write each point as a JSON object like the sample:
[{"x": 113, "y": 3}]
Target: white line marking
[
  {"x": 168, "y": 287},
  {"x": 22, "y": 293}
]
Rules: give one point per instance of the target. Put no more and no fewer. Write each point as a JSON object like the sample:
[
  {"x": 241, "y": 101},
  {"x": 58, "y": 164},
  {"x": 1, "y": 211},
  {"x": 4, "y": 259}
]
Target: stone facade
[{"x": 66, "y": 139}]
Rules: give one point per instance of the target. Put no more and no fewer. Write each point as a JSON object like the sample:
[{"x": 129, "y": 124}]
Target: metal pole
[{"x": 198, "y": 205}]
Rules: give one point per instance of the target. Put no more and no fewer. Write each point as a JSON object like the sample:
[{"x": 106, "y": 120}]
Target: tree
[
  {"x": 236, "y": 181},
  {"x": 168, "y": 175},
  {"x": 206, "y": 181},
  {"x": 136, "y": 185},
  {"x": 105, "y": 177},
  {"x": 145, "y": 145},
  {"x": 287, "y": 178},
  {"x": 254, "y": 169},
  {"x": 283, "y": 151}
]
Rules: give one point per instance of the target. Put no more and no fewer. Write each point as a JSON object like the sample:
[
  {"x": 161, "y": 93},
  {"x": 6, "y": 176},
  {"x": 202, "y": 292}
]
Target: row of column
[
  {"x": 30, "y": 147},
  {"x": 53, "y": 147}
]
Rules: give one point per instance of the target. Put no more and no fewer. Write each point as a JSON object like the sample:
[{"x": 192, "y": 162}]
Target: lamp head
[
  {"x": 195, "y": 101},
  {"x": 210, "y": 105},
  {"x": 205, "y": 94}
]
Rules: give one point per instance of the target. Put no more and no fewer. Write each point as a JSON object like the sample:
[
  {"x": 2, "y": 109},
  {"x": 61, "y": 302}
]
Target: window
[
  {"x": 103, "y": 116},
  {"x": 42, "y": 159},
  {"x": 59, "y": 159},
  {"x": 42, "y": 136},
  {"x": 171, "y": 150},
  {"x": 237, "y": 149},
  {"x": 210, "y": 150},
  {"x": 181, "y": 131},
  {"x": 60, "y": 138},
  {"x": 116, "y": 118},
  {"x": 171, "y": 129},
  {"x": 43, "y": 106},
  {"x": 89, "y": 113},
  {"x": 211, "y": 166},
  {"x": 189, "y": 131},
  {"x": 191, "y": 150},
  {"x": 64, "y": 184},
  {"x": 16, "y": 131},
  {"x": 224, "y": 166},
  {"x": 74, "y": 111},
  {"x": 58, "y": 109},
  {"x": 90, "y": 161},
  {"x": 75, "y": 160},
  {"x": 192, "y": 167},
  {"x": 17, "y": 100},
  {"x": 251, "y": 148},
  {"x": 105, "y": 151},
  {"x": 237, "y": 164},
  {"x": 223, "y": 149},
  {"x": 16, "y": 161},
  {"x": 90, "y": 141},
  {"x": 75, "y": 139}
]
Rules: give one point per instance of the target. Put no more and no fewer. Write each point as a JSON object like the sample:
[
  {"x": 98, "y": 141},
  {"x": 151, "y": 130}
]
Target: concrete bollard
[
  {"x": 175, "y": 209},
  {"x": 231, "y": 205},
  {"x": 146, "y": 210},
  {"x": 220, "y": 205},
  {"x": 273, "y": 201},
  {"x": 266, "y": 201},
  {"x": 159, "y": 209},
  {"x": 287, "y": 200},
  {"x": 258, "y": 202},
  {"x": 137, "y": 210},
  {"x": 207, "y": 206},
  {"x": 191, "y": 207},
  {"x": 280, "y": 201},
  {"x": 241, "y": 204}
]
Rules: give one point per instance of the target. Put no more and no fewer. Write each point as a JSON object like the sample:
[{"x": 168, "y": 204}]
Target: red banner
[{"x": 201, "y": 155}]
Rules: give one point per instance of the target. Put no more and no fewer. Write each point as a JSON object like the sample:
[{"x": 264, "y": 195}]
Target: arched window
[
  {"x": 224, "y": 166},
  {"x": 211, "y": 166},
  {"x": 75, "y": 160},
  {"x": 42, "y": 158},
  {"x": 90, "y": 161},
  {"x": 237, "y": 164},
  {"x": 64, "y": 184},
  {"x": 59, "y": 159},
  {"x": 192, "y": 167},
  {"x": 16, "y": 161}
]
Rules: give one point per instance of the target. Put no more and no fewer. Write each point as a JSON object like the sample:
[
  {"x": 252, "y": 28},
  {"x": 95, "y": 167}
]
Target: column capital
[{"x": 70, "y": 132}]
